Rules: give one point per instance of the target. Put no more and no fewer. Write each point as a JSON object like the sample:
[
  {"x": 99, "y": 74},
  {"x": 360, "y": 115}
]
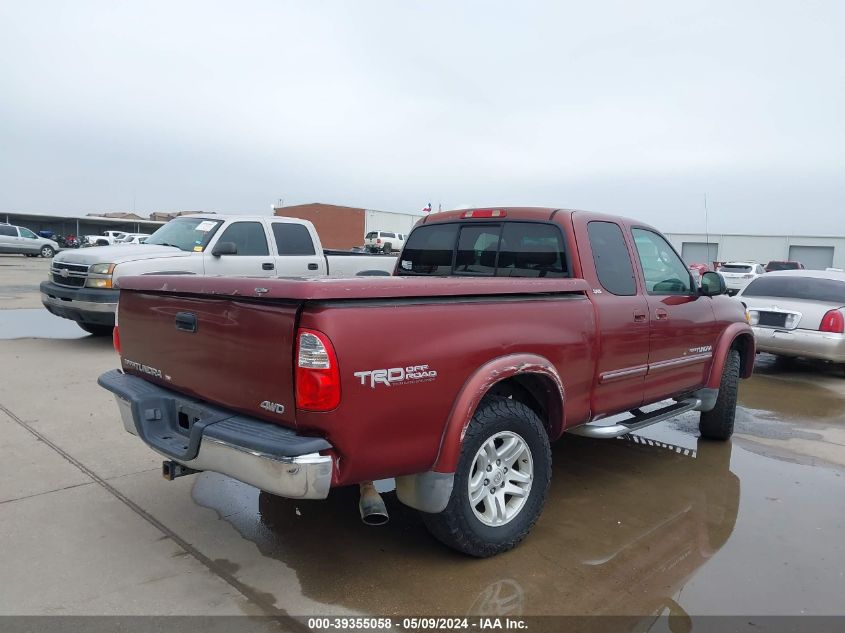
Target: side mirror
[
  {"x": 225, "y": 248},
  {"x": 712, "y": 284}
]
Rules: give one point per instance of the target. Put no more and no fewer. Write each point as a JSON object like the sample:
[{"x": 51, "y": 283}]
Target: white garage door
[
  {"x": 699, "y": 252},
  {"x": 813, "y": 257}
]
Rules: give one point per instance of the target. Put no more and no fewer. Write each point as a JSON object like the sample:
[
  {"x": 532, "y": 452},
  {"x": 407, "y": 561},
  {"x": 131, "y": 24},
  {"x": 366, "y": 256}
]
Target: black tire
[
  {"x": 458, "y": 526},
  {"x": 47, "y": 251},
  {"x": 96, "y": 329},
  {"x": 388, "y": 248},
  {"x": 718, "y": 424}
]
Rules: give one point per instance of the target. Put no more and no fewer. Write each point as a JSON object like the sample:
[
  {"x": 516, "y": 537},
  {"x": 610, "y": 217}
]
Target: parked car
[
  {"x": 798, "y": 313},
  {"x": 501, "y": 313},
  {"x": 384, "y": 241},
  {"x": 739, "y": 274},
  {"x": 83, "y": 284},
  {"x": 106, "y": 239},
  {"x": 774, "y": 265},
  {"x": 133, "y": 238},
  {"x": 19, "y": 240}
]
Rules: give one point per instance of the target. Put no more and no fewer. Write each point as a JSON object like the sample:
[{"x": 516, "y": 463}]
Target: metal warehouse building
[
  {"x": 815, "y": 252},
  {"x": 79, "y": 225},
  {"x": 345, "y": 227}
]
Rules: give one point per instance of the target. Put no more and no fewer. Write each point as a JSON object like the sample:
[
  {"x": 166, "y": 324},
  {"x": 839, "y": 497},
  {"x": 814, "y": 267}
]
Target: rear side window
[
  {"x": 292, "y": 239},
  {"x": 249, "y": 238},
  {"x": 429, "y": 250},
  {"x": 610, "y": 255},
  {"x": 798, "y": 287},
  {"x": 387, "y": 234},
  {"x": 10, "y": 231}
]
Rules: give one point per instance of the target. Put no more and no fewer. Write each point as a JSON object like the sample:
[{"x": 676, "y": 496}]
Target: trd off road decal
[{"x": 396, "y": 376}]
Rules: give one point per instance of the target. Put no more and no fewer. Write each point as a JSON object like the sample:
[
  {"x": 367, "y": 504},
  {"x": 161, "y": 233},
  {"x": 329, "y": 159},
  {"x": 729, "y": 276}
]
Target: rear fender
[
  {"x": 736, "y": 334},
  {"x": 474, "y": 390}
]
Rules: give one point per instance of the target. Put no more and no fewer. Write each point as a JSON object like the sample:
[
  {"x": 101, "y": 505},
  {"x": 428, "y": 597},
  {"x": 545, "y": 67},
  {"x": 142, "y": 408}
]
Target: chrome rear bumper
[{"x": 228, "y": 445}]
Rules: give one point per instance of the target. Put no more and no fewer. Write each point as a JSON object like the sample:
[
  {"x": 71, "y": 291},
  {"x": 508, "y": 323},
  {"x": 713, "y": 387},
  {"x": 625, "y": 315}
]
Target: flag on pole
[{"x": 427, "y": 208}]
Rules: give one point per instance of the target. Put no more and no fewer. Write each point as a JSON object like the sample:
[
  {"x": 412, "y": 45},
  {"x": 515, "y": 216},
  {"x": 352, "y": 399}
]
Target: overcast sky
[{"x": 636, "y": 108}]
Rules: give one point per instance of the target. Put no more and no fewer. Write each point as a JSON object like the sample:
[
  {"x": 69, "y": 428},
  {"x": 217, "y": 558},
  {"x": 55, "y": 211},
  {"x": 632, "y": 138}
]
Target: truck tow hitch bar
[{"x": 170, "y": 470}]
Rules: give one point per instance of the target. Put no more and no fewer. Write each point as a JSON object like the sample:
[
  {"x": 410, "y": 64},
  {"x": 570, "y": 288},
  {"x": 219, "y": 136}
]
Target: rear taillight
[
  {"x": 317, "y": 375},
  {"x": 378, "y": 241},
  {"x": 833, "y": 322},
  {"x": 115, "y": 339}
]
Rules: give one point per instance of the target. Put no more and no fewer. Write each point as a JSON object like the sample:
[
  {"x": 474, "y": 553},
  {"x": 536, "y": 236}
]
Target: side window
[
  {"x": 664, "y": 272},
  {"x": 477, "y": 249},
  {"x": 27, "y": 233},
  {"x": 9, "y": 231},
  {"x": 429, "y": 250},
  {"x": 249, "y": 237},
  {"x": 759, "y": 270},
  {"x": 611, "y": 258},
  {"x": 292, "y": 239},
  {"x": 532, "y": 250}
]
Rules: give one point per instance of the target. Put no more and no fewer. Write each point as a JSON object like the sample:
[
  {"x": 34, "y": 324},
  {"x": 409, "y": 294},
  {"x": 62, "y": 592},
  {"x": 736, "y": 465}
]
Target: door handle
[
  {"x": 639, "y": 316},
  {"x": 312, "y": 266},
  {"x": 267, "y": 266},
  {"x": 662, "y": 314}
]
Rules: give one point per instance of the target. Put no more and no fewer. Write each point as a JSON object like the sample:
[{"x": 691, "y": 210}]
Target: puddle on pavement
[
  {"x": 37, "y": 323},
  {"x": 631, "y": 526}
]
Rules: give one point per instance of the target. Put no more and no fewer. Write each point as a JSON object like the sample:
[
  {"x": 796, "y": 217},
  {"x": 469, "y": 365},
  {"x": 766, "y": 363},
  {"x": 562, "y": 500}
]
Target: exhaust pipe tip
[{"x": 372, "y": 507}]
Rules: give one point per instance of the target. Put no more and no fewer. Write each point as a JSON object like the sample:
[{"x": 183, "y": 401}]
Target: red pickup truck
[{"x": 500, "y": 330}]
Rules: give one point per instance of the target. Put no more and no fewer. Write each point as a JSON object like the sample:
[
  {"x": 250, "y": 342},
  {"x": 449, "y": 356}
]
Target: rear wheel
[
  {"x": 718, "y": 423},
  {"x": 500, "y": 483},
  {"x": 96, "y": 329},
  {"x": 388, "y": 248}
]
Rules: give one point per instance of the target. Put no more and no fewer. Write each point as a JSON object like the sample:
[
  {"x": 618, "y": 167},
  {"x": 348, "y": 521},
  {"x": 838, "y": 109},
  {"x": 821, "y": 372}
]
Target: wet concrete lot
[{"x": 660, "y": 522}]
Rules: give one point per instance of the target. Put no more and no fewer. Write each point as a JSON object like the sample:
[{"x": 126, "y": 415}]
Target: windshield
[{"x": 187, "y": 234}]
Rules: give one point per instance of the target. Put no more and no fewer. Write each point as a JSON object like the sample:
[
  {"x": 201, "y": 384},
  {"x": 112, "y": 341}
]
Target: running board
[{"x": 639, "y": 420}]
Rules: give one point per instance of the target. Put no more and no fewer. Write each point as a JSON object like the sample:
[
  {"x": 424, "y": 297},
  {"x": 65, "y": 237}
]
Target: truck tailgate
[{"x": 231, "y": 351}]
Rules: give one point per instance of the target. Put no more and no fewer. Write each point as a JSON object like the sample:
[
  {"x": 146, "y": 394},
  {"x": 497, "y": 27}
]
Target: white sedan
[{"x": 798, "y": 313}]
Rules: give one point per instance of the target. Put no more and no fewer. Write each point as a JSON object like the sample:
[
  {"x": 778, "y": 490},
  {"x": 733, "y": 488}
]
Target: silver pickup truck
[{"x": 83, "y": 284}]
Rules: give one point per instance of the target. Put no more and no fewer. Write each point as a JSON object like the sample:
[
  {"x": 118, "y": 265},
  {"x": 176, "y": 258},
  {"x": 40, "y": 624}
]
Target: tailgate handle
[
  {"x": 186, "y": 321},
  {"x": 312, "y": 266}
]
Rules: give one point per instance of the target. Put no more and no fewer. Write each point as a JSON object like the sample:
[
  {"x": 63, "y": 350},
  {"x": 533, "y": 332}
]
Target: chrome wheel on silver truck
[{"x": 500, "y": 483}]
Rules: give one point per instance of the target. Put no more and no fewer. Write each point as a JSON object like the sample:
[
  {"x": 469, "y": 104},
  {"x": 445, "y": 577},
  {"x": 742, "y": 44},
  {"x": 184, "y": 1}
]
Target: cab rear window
[{"x": 509, "y": 249}]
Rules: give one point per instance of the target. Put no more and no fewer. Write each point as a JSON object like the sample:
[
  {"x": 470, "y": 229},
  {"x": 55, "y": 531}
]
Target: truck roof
[
  {"x": 237, "y": 216},
  {"x": 526, "y": 213}
]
